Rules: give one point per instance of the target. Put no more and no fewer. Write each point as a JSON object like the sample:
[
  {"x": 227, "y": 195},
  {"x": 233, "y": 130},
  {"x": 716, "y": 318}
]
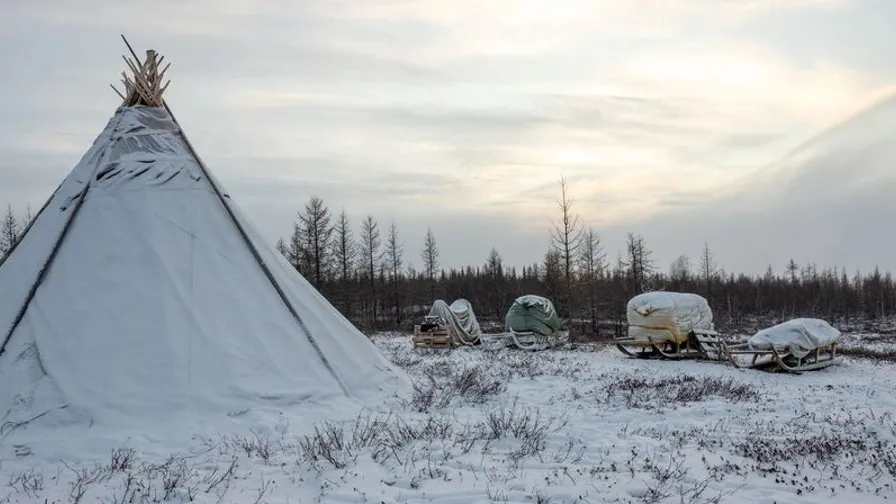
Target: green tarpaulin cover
[{"x": 532, "y": 314}]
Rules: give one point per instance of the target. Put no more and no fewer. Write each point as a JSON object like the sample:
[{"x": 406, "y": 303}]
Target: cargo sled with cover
[
  {"x": 448, "y": 326},
  {"x": 671, "y": 325},
  {"x": 801, "y": 344},
  {"x": 532, "y": 323}
]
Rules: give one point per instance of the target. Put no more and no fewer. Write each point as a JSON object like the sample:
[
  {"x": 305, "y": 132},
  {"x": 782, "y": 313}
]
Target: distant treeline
[
  {"x": 364, "y": 271},
  {"x": 365, "y": 275}
]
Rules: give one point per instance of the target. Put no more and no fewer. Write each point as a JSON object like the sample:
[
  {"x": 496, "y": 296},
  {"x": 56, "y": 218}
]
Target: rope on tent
[
  {"x": 31, "y": 223},
  {"x": 224, "y": 201},
  {"x": 143, "y": 89},
  {"x": 56, "y": 246}
]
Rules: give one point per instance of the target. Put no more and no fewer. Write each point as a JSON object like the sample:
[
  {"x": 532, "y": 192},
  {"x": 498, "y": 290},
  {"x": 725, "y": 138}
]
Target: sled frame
[
  {"x": 708, "y": 345},
  {"x": 775, "y": 360},
  {"x": 528, "y": 340},
  {"x": 521, "y": 340},
  {"x": 700, "y": 344}
]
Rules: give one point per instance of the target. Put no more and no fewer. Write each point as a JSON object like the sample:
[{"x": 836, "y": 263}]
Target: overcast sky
[{"x": 676, "y": 119}]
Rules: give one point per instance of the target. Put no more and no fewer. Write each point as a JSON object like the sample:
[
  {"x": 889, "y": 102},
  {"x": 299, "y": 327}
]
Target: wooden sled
[
  {"x": 710, "y": 346},
  {"x": 774, "y": 360},
  {"x": 432, "y": 334},
  {"x": 700, "y": 344}
]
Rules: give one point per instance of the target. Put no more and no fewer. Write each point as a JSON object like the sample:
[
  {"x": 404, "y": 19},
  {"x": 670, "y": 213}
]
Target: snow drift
[
  {"x": 799, "y": 336},
  {"x": 667, "y": 316},
  {"x": 135, "y": 294}
]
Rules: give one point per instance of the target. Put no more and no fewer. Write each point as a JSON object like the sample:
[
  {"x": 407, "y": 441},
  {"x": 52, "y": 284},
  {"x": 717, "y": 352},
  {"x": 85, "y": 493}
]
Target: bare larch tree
[
  {"x": 637, "y": 262},
  {"x": 708, "y": 271},
  {"x": 344, "y": 252},
  {"x": 430, "y": 256},
  {"x": 318, "y": 233},
  {"x": 370, "y": 258},
  {"x": 592, "y": 265},
  {"x": 394, "y": 262},
  {"x": 566, "y": 240}
]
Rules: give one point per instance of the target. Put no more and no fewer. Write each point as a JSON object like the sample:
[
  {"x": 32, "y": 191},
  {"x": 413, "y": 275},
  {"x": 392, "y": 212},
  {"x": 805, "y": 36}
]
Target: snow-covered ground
[
  {"x": 871, "y": 345},
  {"x": 582, "y": 425}
]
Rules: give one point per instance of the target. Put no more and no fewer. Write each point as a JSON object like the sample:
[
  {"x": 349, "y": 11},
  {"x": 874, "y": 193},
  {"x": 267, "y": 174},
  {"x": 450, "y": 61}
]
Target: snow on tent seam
[
  {"x": 667, "y": 316},
  {"x": 532, "y": 313},
  {"x": 800, "y": 336},
  {"x": 140, "y": 287},
  {"x": 460, "y": 317}
]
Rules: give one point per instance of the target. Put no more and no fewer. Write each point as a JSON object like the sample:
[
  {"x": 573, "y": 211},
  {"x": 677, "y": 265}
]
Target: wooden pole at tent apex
[{"x": 143, "y": 86}]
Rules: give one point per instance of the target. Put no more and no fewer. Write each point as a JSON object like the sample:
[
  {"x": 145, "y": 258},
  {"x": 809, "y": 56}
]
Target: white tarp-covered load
[
  {"x": 799, "y": 336},
  {"x": 667, "y": 316},
  {"x": 141, "y": 290},
  {"x": 460, "y": 317}
]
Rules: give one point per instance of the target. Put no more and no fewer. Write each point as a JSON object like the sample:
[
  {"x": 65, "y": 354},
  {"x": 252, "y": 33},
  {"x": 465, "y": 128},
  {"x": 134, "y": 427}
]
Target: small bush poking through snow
[
  {"x": 257, "y": 445},
  {"x": 387, "y": 437},
  {"x": 438, "y": 390},
  {"x": 648, "y": 393},
  {"x": 27, "y": 482}
]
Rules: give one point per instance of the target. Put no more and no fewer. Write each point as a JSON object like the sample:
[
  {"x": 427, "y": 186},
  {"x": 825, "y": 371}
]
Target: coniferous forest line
[{"x": 363, "y": 269}]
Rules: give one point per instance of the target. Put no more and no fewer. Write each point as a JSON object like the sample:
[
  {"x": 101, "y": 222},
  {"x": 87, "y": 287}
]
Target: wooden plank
[{"x": 432, "y": 340}]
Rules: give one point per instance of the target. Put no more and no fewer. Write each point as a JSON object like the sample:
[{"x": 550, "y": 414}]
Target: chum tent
[
  {"x": 460, "y": 318},
  {"x": 141, "y": 288}
]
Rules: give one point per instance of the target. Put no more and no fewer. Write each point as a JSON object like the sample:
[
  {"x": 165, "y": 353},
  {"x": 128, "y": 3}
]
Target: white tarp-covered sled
[
  {"x": 669, "y": 325},
  {"x": 800, "y": 344},
  {"x": 448, "y": 326}
]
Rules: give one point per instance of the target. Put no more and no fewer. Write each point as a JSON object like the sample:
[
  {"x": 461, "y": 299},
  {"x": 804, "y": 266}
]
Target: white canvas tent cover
[
  {"x": 460, "y": 317},
  {"x": 799, "y": 336},
  {"x": 667, "y": 316},
  {"x": 140, "y": 288}
]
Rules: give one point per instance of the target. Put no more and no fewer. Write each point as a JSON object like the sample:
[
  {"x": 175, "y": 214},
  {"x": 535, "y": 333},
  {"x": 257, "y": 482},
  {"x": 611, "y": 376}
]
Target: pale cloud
[
  {"x": 424, "y": 109},
  {"x": 527, "y": 27},
  {"x": 724, "y": 76},
  {"x": 824, "y": 203}
]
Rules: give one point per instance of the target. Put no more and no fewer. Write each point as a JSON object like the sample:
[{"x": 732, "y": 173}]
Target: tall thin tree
[
  {"x": 318, "y": 233},
  {"x": 370, "y": 258},
  {"x": 394, "y": 262},
  {"x": 566, "y": 240},
  {"x": 708, "y": 271},
  {"x": 345, "y": 251},
  {"x": 592, "y": 265},
  {"x": 430, "y": 256},
  {"x": 637, "y": 262}
]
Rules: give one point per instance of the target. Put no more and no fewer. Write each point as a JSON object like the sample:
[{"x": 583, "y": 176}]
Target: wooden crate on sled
[{"x": 437, "y": 337}]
